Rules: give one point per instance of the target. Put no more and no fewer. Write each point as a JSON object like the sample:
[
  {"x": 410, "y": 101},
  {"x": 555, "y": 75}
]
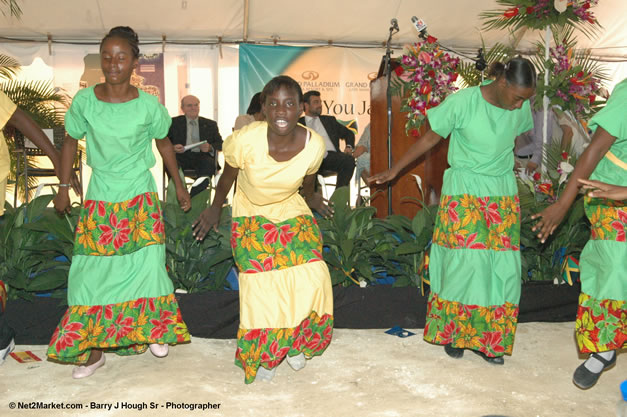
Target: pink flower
[{"x": 424, "y": 57}]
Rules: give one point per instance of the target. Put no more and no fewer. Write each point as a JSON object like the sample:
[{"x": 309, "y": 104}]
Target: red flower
[
  {"x": 447, "y": 334},
  {"x": 431, "y": 39},
  {"x": 234, "y": 234},
  {"x": 66, "y": 334},
  {"x": 537, "y": 176},
  {"x": 453, "y": 77},
  {"x": 314, "y": 343},
  {"x": 120, "y": 328},
  {"x": 414, "y": 132},
  {"x": 586, "y": 6},
  {"x": 491, "y": 342},
  {"x": 307, "y": 332},
  {"x": 157, "y": 227},
  {"x": 509, "y": 13},
  {"x": 260, "y": 334},
  {"x": 137, "y": 201},
  {"x": 576, "y": 81},
  {"x": 118, "y": 233},
  {"x": 97, "y": 310},
  {"x": 277, "y": 354},
  {"x": 268, "y": 264},
  {"x": 620, "y": 230},
  {"x": 622, "y": 215},
  {"x": 91, "y": 205},
  {"x": 273, "y": 233},
  {"x": 591, "y": 98},
  {"x": 317, "y": 254},
  {"x": 328, "y": 334},
  {"x": 546, "y": 188},
  {"x": 580, "y": 74},
  {"x": 399, "y": 70},
  {"x": 452, "y": 214},
  {"x": 161, "y": 326},
  {"x": 425, "y": 88},
  {"x": 470, "y": 242},
  {"x": 490, "y": 211},
  {"x": 108, "y": 312},
  {"x": 564, "y": 155},
  {"x": 431, "y": 73},
  {"x": 529, "y": 10}
]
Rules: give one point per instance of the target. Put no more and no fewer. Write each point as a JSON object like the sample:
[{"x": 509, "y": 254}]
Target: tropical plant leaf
[{"x": 471, "y": 76}]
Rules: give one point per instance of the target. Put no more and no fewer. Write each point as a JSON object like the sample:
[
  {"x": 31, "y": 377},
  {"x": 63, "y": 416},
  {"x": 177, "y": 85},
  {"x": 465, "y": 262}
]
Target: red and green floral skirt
[
  {"x": 601, "y": 324},
  {"x": 269, "y": 254},
  {"x": 490, "y": 330},
  {"x": 475, "y": 257},
  {"x": 125, "y": 328},
  {"x": 268, "y": 347},
  {"x": 118, "y": 255}
]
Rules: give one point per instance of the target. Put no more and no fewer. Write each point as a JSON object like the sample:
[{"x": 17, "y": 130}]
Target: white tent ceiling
[{"x": 343, "y": 22}]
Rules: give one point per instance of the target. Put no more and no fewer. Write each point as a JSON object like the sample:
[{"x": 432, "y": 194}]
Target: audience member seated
[
  {"x": 341, "y": 163},
  {"x": 189, "y": 129},
  {"x": 253, "y": 114}
]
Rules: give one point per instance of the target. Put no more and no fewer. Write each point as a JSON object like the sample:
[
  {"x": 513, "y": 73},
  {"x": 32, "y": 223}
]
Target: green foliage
[
  {"x": 39, "y": 99},
  {"x": 350, "y": 239},
  {"x": 541, "y": 261},
  {"x": 404, "y": 243},
  {"x": 538, "y": 14},
  {"x": 28, "y": 252},
  {"x": 192, "y": 265},
  {"x": 471, "y": 76}
]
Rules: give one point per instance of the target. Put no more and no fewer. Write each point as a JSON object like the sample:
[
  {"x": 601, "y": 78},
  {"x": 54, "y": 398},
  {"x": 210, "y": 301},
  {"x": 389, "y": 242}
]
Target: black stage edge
[{"x": 215, "y": 314}]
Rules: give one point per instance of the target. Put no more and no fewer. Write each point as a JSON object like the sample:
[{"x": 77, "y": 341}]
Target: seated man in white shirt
[{"x": 341, "y": 163}]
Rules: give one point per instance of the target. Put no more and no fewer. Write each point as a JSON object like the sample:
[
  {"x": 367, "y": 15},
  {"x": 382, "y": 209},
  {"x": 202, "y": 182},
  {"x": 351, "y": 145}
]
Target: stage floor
[{"x": 363, "y": 373}]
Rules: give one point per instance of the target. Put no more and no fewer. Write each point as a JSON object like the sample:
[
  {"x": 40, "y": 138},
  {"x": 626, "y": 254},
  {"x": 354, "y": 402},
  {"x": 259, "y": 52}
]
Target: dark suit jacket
[
  {"x": 207, "y": 128},
  {"x": 335, "y": 130}
]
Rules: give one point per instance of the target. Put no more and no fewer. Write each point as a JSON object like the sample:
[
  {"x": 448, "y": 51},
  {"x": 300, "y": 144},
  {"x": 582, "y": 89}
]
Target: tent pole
[{"x": 246, "y": 12}]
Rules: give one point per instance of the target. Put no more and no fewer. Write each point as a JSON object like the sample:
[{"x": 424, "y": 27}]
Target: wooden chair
[{"x": 25, "y": 152}]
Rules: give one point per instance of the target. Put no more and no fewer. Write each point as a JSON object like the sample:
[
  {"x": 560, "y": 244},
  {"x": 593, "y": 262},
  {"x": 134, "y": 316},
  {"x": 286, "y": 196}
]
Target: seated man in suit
[
  {"x": 342, "y": 163},
  {"x": 188, "y": 129}
]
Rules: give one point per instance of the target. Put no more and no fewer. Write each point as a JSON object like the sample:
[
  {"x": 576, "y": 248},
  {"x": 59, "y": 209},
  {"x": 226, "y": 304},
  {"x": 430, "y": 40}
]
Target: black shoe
[
  {"x": 497, "y": 360},
  {"x": 585, "y": 378},
  {"x": 453, "y": 352}
]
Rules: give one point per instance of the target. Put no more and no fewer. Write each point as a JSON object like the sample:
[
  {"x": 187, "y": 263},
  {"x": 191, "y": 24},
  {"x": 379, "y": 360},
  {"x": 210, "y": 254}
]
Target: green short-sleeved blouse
[{"x": 118, "y": 142}]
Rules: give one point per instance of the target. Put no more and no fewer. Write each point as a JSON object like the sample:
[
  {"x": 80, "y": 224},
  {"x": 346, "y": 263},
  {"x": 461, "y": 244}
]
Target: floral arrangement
[
  {"x": 539, "y": 14},
  {"x": 571, "y": 86},
  {"x": 428, "y": 75},
  {"x": 546, "y": 186},
  {"x": 575, "y": 80}
]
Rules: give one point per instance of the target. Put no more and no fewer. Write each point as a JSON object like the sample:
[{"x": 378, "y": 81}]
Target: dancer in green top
[
  {"x": 601, "y": 326},
  {"x": 119, "y": 294},
  {"x": 475, "y": 257}
]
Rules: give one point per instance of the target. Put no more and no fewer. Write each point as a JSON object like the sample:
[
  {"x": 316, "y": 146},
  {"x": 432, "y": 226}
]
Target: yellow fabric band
[{"x": 609, "y": 155}]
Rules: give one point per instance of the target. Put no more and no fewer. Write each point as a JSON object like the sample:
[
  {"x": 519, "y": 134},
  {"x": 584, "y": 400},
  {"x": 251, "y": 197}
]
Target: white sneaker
[
  {"x": 297, "y": 362},
  {"x": 5, "y": 352},
  {"x": 160, "y": 351},
  {"x": 264, "y": 375}
]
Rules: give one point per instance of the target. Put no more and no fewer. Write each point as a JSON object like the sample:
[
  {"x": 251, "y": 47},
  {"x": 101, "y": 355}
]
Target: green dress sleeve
[
  {"x": 161, "y": 122},
  {"x": 613, "y": 117},
  {"x": 445, "y": 117},
  {"x": 75, "y": 121}
]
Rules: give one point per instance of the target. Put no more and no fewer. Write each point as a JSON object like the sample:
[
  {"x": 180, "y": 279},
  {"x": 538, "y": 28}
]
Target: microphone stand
[{"x": 388, "y": 94}]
